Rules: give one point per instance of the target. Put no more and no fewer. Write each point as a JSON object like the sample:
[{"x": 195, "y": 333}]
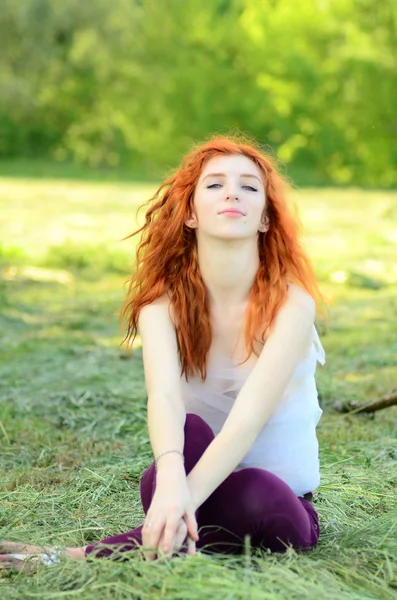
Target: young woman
[{"x": 225, "y": 299}]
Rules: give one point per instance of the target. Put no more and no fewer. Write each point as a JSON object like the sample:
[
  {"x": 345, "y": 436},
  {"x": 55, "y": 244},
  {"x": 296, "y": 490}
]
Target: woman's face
[{"x": 229, "y": 199}]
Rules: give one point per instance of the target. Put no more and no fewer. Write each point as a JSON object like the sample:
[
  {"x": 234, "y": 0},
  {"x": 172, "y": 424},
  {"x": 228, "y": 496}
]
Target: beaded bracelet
[{"x": 166, "y": 452}]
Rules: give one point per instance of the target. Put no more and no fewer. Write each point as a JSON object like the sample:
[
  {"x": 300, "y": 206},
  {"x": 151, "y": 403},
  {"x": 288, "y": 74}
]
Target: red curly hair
[{"x": 167, "y": 262}]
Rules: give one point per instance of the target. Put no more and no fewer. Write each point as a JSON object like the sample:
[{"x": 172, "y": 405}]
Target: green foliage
[
  {"x": 11, "y": 255},
  {"x": 133, "y": 84}
]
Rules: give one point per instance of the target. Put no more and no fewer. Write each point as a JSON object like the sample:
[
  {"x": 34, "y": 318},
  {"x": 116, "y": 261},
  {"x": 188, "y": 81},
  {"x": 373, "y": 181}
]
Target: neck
[{"x": 228, "y": 269}]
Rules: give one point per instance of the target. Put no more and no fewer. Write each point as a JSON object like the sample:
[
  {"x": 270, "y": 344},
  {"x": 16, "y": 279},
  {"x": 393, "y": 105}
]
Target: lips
[{"x": 232, "y": 211}]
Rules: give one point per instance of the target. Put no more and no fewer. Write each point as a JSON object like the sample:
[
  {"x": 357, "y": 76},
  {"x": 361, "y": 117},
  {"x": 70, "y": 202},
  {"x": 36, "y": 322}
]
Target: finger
[
  {"x": 151, "y": 531},
  {"x": 191, "y": 523},
  {"x": 150, "y": 540},
  {"x": 180, "y": 536},
  {"x": 170, "y": 530},
  {"x": 149, "y": 552},
  {"x": 149, "y": 556},
  {"x": 191, "y": 546},
  {"x": 162, "y": 552},
  {"x": 11, "y": 563},
  {"x": 7, "y": 564},
  {"x": 9, "y": 558}
]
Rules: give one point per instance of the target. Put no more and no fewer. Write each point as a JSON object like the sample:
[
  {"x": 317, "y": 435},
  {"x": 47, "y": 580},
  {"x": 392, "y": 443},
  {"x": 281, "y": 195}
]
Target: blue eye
[{"x": 216, "y": 185}]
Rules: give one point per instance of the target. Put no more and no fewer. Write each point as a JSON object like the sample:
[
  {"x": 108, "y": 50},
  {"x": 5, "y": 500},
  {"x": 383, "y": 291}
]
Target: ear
[
  {"x": 191, "y": 222},
  {"x": 267, "y": 223},
  {"x": 264, "y": 224}
]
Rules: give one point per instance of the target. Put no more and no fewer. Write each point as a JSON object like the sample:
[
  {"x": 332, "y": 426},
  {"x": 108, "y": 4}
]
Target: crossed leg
[{"x": 251, "y": 502}]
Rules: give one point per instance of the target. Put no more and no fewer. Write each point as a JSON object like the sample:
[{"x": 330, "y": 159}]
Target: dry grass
[{"x": 73, "y": 438}]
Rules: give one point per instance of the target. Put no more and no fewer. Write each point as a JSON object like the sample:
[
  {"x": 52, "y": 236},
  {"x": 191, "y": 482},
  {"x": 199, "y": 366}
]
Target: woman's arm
[
  {"x": 166, "y": 419},
  {"x": 166, "y": 412},
  {"x": 287, "y": 344}
]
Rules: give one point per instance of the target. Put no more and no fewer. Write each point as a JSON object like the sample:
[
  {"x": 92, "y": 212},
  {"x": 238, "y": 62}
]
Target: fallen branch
[{"x": 367, "y": 407}]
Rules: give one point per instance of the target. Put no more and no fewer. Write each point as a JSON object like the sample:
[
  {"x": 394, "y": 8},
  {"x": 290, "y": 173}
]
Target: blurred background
[
  {"x": 130, "y": 84},
  {"x": 99, "y": 100}
]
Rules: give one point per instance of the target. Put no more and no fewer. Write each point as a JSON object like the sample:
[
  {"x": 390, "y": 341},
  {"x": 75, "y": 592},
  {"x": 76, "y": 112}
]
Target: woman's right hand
[{"x": 163, "y": 527}]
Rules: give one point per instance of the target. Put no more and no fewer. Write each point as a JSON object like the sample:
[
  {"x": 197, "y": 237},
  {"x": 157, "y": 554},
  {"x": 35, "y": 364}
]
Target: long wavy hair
[{"x": 167, "y": 259}]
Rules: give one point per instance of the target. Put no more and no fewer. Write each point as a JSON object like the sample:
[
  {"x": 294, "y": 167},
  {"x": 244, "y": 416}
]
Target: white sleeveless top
[{"x": 287, "y": 445}]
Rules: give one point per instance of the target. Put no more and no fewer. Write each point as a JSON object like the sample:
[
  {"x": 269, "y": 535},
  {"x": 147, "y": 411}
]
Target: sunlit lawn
[{"x": 73, "y": 437}]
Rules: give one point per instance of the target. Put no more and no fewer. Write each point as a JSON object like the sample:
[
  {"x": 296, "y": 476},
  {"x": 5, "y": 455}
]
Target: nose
[
  {"x": 231, "y": 190},
  {"x": 231, "y": 194}
]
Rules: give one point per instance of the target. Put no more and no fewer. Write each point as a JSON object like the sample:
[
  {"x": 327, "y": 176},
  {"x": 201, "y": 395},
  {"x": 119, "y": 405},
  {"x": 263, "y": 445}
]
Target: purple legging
[{"x": 251, "y": 502}]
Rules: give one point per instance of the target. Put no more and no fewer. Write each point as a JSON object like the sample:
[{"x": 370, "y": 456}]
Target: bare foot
[
  {"x": 7, "y": 547},
  {"x": 18, "y": 556},
  {"x": 9, "y": 562}
]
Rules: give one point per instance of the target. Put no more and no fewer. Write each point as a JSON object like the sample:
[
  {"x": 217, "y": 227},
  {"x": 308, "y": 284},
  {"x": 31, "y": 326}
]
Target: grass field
[{"x": 73, "y": 438}]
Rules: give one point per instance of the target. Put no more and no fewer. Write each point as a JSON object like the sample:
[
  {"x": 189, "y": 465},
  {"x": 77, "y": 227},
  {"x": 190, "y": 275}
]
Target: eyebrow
[{"x": 224, "y": 175}]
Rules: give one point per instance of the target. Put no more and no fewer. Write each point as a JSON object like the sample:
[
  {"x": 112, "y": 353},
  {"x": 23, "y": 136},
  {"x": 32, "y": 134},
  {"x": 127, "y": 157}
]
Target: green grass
[
  {"x": 73, "y": 437},
  {"x": 41, "y": 168}
]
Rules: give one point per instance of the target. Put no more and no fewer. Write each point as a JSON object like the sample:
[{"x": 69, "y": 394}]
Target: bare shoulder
[
  {"x": 162, "y": 306},
  {"x": 156, "y": 325},
  {"x": 160, "y": 303},
  {"x": 159, "y": 349},
  {"x": 298, "y": 296}
]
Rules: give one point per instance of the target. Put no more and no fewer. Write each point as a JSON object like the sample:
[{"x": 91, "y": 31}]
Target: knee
[
  {"x": 263, "y": 494},
  {"x": 197, "y": 431},
  {"x": 147, "y": 486},
  {"x": 198, "y": 436},
  {"x": 254, "y": 497}
]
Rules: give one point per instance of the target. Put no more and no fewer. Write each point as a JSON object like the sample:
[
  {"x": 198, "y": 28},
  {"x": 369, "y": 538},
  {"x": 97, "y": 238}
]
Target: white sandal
[{"x": 46, "y": 558}]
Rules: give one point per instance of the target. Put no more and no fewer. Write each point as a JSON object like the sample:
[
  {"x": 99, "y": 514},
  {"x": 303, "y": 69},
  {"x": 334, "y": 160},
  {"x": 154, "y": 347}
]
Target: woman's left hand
[{"x": 180, "y": 538}]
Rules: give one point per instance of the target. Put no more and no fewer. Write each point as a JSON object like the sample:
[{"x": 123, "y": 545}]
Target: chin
[{"x": 235, "y": 235}]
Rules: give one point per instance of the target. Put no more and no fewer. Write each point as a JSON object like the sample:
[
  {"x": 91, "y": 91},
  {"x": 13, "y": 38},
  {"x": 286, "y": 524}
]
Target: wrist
[
  {"x": 194, "y": 496},
  {"x": 172, "y": 462},
  {"x": 167, "y": 452}
]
